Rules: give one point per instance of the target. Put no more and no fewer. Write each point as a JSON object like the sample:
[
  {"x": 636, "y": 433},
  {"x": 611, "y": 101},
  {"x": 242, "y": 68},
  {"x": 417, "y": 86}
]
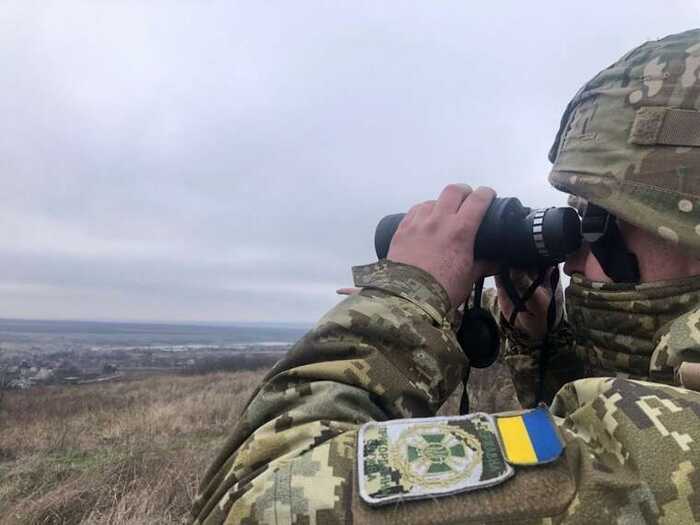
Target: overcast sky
[{"x": 228, "y": 161}]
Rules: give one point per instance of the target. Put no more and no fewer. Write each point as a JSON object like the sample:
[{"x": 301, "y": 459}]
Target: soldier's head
[
  {"x": 628, "y": 151},
  {"x": 629, "y": 143}
]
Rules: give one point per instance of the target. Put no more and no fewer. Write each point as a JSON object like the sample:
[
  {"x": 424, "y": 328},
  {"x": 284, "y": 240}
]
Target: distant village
[{"x": 28, "y": 367}]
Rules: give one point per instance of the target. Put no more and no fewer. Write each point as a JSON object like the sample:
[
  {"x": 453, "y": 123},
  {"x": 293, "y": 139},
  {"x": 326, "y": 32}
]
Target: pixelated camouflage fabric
[
  {"x": 655, "y": 186},
  {"x": 618, "y": 326},
  {"x": 676, "y": 344},
  {"x": 631, "y": 455},
  {"x": 388, "y": 352}
]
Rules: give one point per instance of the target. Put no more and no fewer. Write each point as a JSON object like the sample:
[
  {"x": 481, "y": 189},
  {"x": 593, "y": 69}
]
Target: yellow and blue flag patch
[{"x": 530, "y": 438}]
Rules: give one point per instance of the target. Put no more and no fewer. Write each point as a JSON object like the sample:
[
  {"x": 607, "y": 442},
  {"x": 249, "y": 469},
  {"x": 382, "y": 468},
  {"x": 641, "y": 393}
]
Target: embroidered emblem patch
[
  {"x": 529, "y": 438},
  {"x": 426, "y": 458}
]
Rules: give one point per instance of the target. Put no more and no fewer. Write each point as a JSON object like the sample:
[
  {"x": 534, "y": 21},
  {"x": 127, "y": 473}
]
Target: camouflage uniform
[
  {"x": 389, "y": 352},
  {"x": 632, "y": 449}
]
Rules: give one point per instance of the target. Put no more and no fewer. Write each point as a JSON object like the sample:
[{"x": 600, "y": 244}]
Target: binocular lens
[{"x": 512, "y": 233}]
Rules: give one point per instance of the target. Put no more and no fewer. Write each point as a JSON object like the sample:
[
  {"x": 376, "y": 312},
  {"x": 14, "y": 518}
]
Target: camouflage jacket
[{"x": 632, "y": 448}]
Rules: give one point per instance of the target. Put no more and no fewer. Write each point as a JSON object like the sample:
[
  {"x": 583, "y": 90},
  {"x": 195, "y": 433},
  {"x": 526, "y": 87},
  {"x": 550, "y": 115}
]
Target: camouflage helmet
[{"x": 629, "y": 140}]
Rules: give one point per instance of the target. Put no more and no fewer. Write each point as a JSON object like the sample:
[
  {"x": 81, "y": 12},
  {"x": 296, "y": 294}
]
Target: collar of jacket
[{"x": 618, "y": 326}]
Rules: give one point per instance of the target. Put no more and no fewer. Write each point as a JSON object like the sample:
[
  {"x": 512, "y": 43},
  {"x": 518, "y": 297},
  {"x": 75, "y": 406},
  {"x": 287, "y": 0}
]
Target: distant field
[{"x": 132, "y": 452}]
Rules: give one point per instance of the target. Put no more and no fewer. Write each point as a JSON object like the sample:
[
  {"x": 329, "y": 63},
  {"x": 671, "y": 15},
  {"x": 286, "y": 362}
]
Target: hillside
[
  {"x": 132, "y": 452},
  {"x": 124, "y": 452}
]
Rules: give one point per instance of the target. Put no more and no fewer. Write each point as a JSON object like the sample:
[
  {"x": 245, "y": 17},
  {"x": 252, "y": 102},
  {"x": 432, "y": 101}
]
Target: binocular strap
[{"x": 475, "y": 320}]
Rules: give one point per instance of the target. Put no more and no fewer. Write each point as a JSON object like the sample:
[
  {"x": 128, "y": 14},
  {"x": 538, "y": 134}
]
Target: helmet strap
[{"x": 600, "y": 229}]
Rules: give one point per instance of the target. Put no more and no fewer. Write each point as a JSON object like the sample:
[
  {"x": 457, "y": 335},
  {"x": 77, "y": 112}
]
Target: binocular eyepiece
[{"x": 510, "y": 232}]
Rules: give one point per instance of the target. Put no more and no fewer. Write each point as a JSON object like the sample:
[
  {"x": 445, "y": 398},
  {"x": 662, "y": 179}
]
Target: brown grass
[
  {"x": 133, "y": 452},
  {"x": 129, "y": 452}
]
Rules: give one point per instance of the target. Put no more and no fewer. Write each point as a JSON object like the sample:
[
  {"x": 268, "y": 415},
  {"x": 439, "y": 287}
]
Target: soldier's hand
[
  {"x": 348, "y": 291},
  {"x": 532, "y": 322},
  {"x": 438, "y": 237}
]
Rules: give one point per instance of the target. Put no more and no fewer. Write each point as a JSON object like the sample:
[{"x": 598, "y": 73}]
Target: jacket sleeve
[{"x": 387, "y": 352}]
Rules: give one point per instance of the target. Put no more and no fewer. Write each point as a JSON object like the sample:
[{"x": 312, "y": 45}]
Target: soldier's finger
[
  {"x": 424, "y": 210},
  {"x": 487, "y": 268},
  {"x": 451, "y": 198},
  {"x": 408, "y": 219},
  {"x": 347, "y": 291},
  {"x": 521, "y": 280},
  {"x": 503, "y": 299},
  {"x": 473, "y": 209}
]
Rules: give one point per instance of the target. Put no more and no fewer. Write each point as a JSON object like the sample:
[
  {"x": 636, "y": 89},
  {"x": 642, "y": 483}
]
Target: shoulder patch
[
  {"x": 406, "y": 459},
  {"x": 530, "y": 437}
]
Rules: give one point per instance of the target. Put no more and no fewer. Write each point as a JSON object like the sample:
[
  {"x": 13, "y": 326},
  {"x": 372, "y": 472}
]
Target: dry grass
[
  {"x": 133, "y": 452},
  {"x": 129, "y": 452}
]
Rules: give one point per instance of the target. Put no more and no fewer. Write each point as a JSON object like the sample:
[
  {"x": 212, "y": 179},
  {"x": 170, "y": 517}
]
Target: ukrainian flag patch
[{"x": 529, "y": 438}]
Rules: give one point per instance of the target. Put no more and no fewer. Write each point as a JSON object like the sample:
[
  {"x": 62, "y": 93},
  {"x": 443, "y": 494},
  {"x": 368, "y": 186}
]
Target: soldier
[
  {"x": 342, "y": 430},
  {"x": 615, "y": 150}
]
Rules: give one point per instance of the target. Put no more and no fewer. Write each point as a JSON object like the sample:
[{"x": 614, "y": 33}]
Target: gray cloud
[{"x": 212, "y": 161}]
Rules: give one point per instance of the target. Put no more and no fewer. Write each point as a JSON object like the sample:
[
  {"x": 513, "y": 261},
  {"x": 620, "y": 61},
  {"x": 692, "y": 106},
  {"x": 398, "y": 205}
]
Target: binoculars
[{"x": 514, "y": 234}]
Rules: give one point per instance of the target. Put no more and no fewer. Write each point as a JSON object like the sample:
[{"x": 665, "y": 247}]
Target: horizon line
[{"x": 290, "y": 324}]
